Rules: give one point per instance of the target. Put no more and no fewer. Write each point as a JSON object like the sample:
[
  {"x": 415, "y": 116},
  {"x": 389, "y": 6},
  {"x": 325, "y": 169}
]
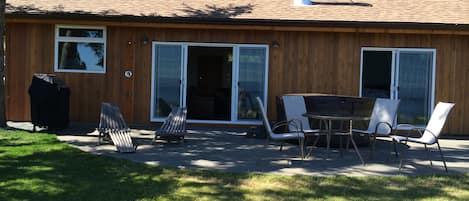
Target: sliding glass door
[
  {"x": 377, "y": 74},
  {"x": 166, "y": 79},
  {"x": 251, "y": 81},
  {"x": 414, "y": 87},
  {"x": 404, "y": 74},
  {"x": 218, "y": 83}
]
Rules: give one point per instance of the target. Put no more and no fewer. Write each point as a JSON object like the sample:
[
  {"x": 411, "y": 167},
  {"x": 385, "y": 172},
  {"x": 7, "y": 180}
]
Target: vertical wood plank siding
[{"x": 316, "y": 62}]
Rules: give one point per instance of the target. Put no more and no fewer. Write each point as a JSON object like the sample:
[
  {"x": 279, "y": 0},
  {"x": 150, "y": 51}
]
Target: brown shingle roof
[{"x": 382, "y": 11}]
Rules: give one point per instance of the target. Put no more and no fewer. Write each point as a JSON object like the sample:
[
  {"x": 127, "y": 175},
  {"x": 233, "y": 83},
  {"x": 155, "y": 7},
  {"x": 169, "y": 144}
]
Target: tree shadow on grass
[
  {"x": 69, "y": 174},
  {"x": 372, "y": 188}
]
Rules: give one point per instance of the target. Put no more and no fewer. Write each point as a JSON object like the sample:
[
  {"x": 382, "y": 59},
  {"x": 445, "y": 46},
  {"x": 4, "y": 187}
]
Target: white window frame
[
  {"x": 235, "y": 69},
  {"x": 59, "y": 39},
  {"x": 395, "y": 71}
]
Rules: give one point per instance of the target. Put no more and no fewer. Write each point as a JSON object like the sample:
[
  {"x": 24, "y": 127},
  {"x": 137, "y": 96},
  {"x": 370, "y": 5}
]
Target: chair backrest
[
  {"x": 111, "y": 118},
  {"x": 268, "y": 129},
  {"x": 437, "y": 121},
  {"x": 175, "y": 124},
  {"x": 384, "y": 110},
  {"x": 294, "y": 109}
]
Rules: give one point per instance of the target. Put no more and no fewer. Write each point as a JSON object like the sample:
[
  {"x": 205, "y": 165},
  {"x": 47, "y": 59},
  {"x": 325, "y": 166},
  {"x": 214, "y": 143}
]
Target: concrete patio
[{"x": 230, "y": 150}]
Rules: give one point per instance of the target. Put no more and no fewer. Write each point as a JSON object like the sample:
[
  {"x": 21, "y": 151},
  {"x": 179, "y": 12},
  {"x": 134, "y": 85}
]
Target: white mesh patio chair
[
  {"x": 381, "y": 120},
  {"x": 295, "y": 107},
  {"x": 430, "y": 134},
  {"x": 282, "y": 137}
]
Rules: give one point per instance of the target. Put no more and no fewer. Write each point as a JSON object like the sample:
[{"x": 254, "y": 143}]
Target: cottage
[{"x": 216, "y": 56}]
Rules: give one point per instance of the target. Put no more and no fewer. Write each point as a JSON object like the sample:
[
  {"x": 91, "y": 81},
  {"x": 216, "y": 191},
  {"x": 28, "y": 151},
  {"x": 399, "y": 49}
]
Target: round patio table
[{"x": 336, "y": 117}]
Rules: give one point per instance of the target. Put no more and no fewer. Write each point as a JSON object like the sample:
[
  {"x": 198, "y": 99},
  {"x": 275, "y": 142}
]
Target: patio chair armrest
[
  {"x": 408, "y": 125},
  {"x": 296, "y": 123},
  {"x": 279, "y": 124},
  {"x": 421, "y": 131},
  {"x": 418, "y": 129},
  {"x": 407, "y": 134},
  {"x": 412, "y": 127},
  {"x": 286, "y": 123},
  {"x": 383, "y": 123}
]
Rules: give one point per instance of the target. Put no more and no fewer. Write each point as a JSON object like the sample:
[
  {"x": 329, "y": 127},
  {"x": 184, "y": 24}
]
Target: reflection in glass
[
  {"x": 89, "y": 33},
  {"x": 415, "y": 78},
  {"x": 167, "y": 79},
  {"x": 81, "y": 56},
  {"x": 376, "y": 80},
  {"x": 252, "y": 61}
]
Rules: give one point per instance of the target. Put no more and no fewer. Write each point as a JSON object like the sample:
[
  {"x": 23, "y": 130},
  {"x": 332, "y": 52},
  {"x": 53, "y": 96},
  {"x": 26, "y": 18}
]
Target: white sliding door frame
[
  {"x": 236, "y": 81},
  {"x": 392, "y": 89},
  {"x": 234, "y": 86},
  {"x": 395, "y": 70},
  {"x": 433, "y": 70}
]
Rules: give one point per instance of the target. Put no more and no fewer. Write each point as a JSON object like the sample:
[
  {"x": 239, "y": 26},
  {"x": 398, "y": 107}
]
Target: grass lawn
[{"x": 38, "y": 167}]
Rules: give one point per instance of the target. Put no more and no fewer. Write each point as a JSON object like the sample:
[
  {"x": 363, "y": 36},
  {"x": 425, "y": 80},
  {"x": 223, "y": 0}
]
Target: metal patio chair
[
  {"x": 430, "y": 134},
  {"x": 282, "y": 137},
  {"x": 295, "y": 108},
  {"x": 381, "y": 120}
]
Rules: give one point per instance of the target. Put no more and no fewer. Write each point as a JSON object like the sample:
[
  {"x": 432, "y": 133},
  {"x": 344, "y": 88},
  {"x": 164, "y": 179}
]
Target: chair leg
[
  {"x": 428, "y": 154},
  {"x": 301, "y": 144},
  {"x": 391, "y": 147},
  {"x": 310, "y": 151},
  {"x": 100, "y": 137},
  {"x": 281, "y": 146},
  {"x": 316, "y": 140},
  {"x": 340, "y": 145},
  {"x": 372, "y": 145},
  {"x": 442, "y": 157},
  {"x": 402, "y": 159},
  {"x": 395, "y": 148},
  {"x": 347, "y": 146}
]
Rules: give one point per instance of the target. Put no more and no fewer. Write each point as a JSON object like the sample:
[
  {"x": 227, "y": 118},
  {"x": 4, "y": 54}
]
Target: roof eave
[{"x": 238, "y": 21}]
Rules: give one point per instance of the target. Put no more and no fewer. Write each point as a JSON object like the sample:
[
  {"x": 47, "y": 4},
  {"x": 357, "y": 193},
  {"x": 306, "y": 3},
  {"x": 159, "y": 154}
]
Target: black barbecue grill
[{"x": 49, "y": 102}]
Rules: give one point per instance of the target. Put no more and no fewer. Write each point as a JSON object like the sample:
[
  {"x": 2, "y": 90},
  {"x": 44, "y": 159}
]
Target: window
[{"x": 80, "y": 49}]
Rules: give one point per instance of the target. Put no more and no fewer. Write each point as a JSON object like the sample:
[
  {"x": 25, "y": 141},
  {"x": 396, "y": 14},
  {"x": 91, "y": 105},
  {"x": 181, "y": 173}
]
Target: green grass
[{"x": 38, "y": 167}]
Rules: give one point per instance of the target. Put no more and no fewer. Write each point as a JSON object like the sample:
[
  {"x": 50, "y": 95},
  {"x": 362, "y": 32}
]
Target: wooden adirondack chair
[
  {"x": 123, "y": 141},
  {"x": 112, "y": 125},
  {"x": 174, "y": 128}
]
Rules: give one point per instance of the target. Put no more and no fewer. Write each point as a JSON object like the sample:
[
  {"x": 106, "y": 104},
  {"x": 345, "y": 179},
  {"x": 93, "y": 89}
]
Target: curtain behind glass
[
  {"x": 252, "y": 61},
  {"x": 415, "y": 78},
  {"x": 167, "y": 78}
]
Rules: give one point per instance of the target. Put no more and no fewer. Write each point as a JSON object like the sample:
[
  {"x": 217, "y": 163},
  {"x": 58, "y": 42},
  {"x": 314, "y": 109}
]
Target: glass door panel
[
  {"x": 414, "y": 86},
  {"x": 377, "y": 74},
  {"x": 167, "y": 79},
  {"x": 209, "y": 81},
  {"x": 251, "y": 81}
]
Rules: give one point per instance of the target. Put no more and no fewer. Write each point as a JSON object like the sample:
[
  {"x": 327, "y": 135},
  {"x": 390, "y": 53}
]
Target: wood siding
[{"x": 304, "y": 62}]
